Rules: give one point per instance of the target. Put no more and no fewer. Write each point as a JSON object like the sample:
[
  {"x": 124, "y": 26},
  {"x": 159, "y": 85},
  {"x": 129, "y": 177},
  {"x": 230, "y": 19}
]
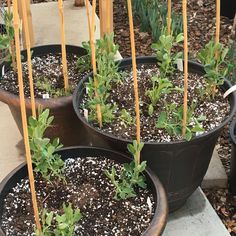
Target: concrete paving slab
[
  {"x": 46, "y": 23},
  {"x": 215, "y": 176},
  {"x": 10, "y": 142},
  {"x": 195, "y": 218}
]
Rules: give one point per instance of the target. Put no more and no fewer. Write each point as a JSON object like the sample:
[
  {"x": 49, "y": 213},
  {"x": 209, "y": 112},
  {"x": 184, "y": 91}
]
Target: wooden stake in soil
[
  {"x": 88, "y": 17},
  {"x": 217, "y": 39},
  {"x": 136, "y": 94},
  {"x": 169, "y": 17},
  {"x": 93, "y": 51},
  {"x": 185, "y": 105},
  {"x": 27, "y": 40},
  {"x": 9, "y": 5},
  {"x": 24, "y": 117},
  {"x": 63, "y": 45}
]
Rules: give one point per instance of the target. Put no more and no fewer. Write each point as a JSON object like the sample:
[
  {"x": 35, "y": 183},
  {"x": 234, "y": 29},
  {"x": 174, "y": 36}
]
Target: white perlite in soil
[{"x": 86, "y": 188}]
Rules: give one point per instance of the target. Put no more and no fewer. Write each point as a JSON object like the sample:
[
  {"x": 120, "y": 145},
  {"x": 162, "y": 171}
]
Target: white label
[
  {"x": 180, "y": 65},
  {"x": 46, "y": 96},
  {"x": 149, "y": 205},
  {"x": 3, "y": 70},
  {"x": 86, "y": 114},
  {"x": 229, "y": 91},
  {"x": 87, "y": 90}
]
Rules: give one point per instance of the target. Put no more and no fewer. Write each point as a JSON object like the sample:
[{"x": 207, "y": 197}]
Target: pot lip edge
[
  {"x": 42, "y": 101},
  {"x": 110, "y": 136},
  {"x": 161, "y": 209}
]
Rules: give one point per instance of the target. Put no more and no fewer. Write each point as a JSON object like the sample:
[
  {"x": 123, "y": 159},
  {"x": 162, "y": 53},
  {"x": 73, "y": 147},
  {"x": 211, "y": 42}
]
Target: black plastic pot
[
  {"x": 228, "y": 8},
  {"x": 180, "y": 165},
  {"x": 65, "y": 124},
  {"x": 232, "y": 176},
  {"x": 159, "y": 220}
]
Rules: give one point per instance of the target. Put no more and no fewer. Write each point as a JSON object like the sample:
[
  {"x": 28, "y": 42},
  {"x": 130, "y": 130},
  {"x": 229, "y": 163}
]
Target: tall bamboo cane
[
  {"x": 169, "y": 17},
  {"x": 63, "y": 44},
  {"x": 24, "y": 117},
  {"x": 217, "y": 37},
  {"x": 93, "y": 50},
  {"x": 185, "y": 102},
  {"x": 134, "y": 65},
  {"x": 88, "y": 18},
  {"x": 28, "y": 46}
]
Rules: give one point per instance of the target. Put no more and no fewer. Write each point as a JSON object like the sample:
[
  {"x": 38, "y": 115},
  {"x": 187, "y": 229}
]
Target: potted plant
[
  {"x": 82, "y": 191},
  {"x": 180, "y": 163},
  {"x": 48, "y": 80}
]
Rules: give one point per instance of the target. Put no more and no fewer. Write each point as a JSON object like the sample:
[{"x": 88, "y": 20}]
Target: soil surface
[
  {"x": 122, "y": 95},
  {"x": 45, "y": 68},
  {"x": 86, "y": 188}
]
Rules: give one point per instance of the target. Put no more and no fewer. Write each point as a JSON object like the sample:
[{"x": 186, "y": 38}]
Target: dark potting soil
[
  {"x": 122, "y": 95},
  {"x": 47, "y": 67},
  {"x": 87, "y": 188}
]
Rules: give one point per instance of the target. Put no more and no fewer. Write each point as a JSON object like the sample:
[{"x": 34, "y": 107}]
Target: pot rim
[
  {"x": 51, "y": 102},
  {"x": 161, "y": 210},
  {"x": 232, "y": 129},
  {"x": 178, "y": 142}
]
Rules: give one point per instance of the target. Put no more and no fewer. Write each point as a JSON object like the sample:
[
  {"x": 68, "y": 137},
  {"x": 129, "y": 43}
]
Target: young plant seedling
[
  {"x": 46, "y": 161},
  {"x": 213, "y": 58},
  {"x": 165, "y": 57},
  {"x": 107, "y": 73},
  {"x": 7, "y": 39},
  {"x": 171, "y": 121},
  {"x": 131, "y": 175},
  {"x": 44, "y": 84},
  {"x": 126, "y": 118},
  {"x": 64, "y": 224}
]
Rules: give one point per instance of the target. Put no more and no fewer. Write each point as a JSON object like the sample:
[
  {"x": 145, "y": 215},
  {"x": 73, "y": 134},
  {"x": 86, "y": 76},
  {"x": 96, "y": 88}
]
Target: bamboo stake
[
  {"x": 63, "y": 45},
  {"x": 169, "y": 17},
  {"x": 185, "y": 105},
  {"x": 27, "y": 40},
  {"x": 9, "y": 5},
  {"x": 217, "y": 37},
  {"x": 93, "y": 49},
  {"x": 24, "y": 117},
  {"x": 108, "y": 13},
  {"x": 29, "y": 17},
  {"x": 88, "y": 17},
  {"x": 136, "y": 93}
]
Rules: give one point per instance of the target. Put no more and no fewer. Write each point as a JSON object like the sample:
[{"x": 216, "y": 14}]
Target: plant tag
[
  {"x": 46, "y": 96},
  {"x": 149, "y": 205},
  {"x": 180, "y": 65},
  {"x": 3, "y": 70},
  {"x": 87, "y": 90},
  {"x": 229, "y": 91},
  {"x": 86, "y": 114}
]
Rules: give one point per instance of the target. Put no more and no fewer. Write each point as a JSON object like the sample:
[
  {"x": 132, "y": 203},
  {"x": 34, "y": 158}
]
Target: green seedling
[
  {"x": 64, "y": 225},
  {"x": 165, "y": 57},
  {"x": 126, "y": 118},
  {"x": 47, "y": 162},
  {"x": 213, "y": 58},
  {"x": 66, "y": 222},
  {"x": 46, "y": 85},
  {"x": 171, "y": 121},
  {"x": 131, "y": 175}
]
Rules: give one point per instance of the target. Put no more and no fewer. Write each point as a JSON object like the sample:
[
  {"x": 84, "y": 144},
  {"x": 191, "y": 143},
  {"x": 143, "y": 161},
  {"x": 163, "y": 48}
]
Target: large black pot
[
  {"x": 65, "y": 124},
  {"x": 159, "y": 220},
  {"x": 180, "y": 165},
  {"x": 228, "y": 8},
  {"x": 232, "y": 176}
]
